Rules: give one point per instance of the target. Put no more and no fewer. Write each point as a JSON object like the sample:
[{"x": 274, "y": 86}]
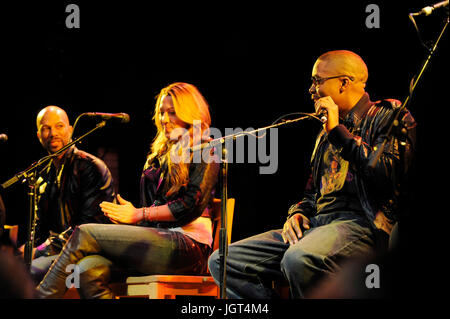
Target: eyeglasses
[{"x": 317, "y": 80}]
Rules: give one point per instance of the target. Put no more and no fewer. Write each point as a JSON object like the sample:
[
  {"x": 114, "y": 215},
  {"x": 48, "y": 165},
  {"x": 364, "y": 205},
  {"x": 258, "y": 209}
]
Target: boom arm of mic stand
[
  {"x": 26, "y": 172},
  {"x": 374, "y": 160},
  {"x": 222, "y": 140},
  {"x": 223, "y": 240}
]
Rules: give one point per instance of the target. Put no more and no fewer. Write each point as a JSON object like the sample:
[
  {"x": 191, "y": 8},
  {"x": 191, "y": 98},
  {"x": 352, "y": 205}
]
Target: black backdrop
[{"x": 252, "y": 62}]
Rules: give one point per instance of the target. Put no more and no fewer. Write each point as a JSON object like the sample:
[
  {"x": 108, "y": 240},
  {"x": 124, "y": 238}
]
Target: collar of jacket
[
  {"x": 67, "y": 155},
  {"x": 351, "y": 120},
  {"x": 358, "y": 112},
  {"x": 71, "y": 151}
]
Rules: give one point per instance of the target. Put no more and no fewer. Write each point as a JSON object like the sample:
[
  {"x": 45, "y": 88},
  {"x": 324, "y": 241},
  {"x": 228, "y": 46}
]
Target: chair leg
[
  {"x": 169, "y": 291},
  {"x": 159, "y": 291}
]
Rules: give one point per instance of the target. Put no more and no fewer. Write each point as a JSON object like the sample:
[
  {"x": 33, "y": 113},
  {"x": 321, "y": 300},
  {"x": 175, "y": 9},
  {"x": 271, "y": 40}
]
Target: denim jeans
[
  {"x": 95, "y": 248},
  {"x": 253, "y": 263}
]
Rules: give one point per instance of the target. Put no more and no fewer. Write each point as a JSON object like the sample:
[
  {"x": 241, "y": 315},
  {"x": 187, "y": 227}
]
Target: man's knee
[
  {"x": 295, "y": 260},
  {"x": 213, "y": 263}
]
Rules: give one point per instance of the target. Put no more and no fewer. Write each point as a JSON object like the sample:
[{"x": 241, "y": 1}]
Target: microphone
[
  {"x": 323, "y": 115},
  {"x": 429, "y": 9},
  {"x": 123, "y": 117},
  {"x": 3, "y": 138}
]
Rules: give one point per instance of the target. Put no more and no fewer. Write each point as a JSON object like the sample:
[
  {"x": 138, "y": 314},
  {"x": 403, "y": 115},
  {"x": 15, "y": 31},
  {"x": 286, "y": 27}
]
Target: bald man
[
  {"x": 72, "y": 187},
  {"x": 348, "y": 209}
]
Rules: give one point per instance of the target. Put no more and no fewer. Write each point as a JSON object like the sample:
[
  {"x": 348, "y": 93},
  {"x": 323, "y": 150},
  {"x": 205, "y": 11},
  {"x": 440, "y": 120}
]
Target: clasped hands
[{"x": 122, "y": 213}]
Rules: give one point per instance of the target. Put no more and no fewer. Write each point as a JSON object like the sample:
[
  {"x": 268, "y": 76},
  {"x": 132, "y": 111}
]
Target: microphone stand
[
  {"x": 395, "y": 123},
  {"x": 223, "y": 237},
  {"x": 30, "y": 175},
  {"x": 397, "y": 130},
  {"x": 223, "y": 240}
]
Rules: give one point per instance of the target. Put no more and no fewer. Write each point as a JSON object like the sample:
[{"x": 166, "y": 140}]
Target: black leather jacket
[
  {"x": 191, "y": 201},
  {"x": 73, "y": 197},
  {"x": 356, "y": 139}
]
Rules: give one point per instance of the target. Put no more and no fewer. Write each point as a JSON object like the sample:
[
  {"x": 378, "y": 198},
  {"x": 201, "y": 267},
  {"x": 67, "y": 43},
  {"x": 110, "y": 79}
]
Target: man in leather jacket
[
  {"x": 348, "y": 207},
  {"x": 70, "y": 189}
]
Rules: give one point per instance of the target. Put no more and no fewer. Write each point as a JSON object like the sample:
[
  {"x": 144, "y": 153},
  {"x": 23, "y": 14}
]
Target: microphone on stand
[
  {"x": 123, "y": 117},
  {"x": 323, "y": 115},
  {"x": 429, "y": 9}
]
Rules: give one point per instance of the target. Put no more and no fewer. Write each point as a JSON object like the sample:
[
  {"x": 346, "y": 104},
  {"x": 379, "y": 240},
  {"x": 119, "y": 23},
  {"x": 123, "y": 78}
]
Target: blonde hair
[{"x": 190, "y": 106}]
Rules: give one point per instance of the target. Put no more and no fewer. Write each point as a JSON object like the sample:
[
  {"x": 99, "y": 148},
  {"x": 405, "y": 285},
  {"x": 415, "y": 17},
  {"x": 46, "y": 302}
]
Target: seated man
[
  {"x": 72, "y": 187},
  {"x": 346, "y": 202}
]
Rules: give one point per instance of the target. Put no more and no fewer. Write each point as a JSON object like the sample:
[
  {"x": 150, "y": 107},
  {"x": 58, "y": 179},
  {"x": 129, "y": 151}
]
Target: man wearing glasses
[{"x": 348, "y": 208}]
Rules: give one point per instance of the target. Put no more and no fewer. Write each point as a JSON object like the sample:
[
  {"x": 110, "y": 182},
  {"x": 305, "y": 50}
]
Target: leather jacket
[
  {"x": 192, "y": 200},
  {"x": 71, "y": 195},
  {"x": 356, "y": 139}
]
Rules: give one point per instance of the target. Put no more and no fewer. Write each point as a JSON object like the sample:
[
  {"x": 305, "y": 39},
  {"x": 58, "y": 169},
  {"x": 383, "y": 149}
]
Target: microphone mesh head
[
  {"x": 427, "y": 10},
  {"x": 125, "y": 118}
]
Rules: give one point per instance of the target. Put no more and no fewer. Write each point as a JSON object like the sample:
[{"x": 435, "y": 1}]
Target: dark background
[{"x": 252, "y": 62}]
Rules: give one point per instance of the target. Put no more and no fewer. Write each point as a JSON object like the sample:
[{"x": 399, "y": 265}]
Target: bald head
[
  {"x": 52, "y": 110},
  {"x": 341, "y": 75},
  {"x": 346, "y": 63},
  {"x": 53, "y": 128}
]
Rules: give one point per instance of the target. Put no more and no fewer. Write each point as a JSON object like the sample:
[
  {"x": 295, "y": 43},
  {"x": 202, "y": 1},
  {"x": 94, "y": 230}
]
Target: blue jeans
[
  {"x": 253, "y": 263},
  {"x": 96, "y": 248}
]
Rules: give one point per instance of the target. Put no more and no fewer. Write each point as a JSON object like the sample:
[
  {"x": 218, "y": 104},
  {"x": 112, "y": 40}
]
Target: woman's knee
[
  {"x": 93, "y": 268},
  {"x": 79, "y": 234},
  {"x": 83, "y": 230},
  {"x": 84, "y": 238},
  {"x": 93, "y": 261},
  {"x": 94, "y": 276}
]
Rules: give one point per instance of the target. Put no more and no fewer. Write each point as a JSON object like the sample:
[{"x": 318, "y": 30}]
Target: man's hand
[
  {"x": 122, "y": 213},
  {"x": 292, "y": 231},
  {"x": 327, "y": 103}
]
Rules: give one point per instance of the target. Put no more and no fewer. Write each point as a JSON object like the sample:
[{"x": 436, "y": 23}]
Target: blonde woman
[{"x": 170, "y": 233}]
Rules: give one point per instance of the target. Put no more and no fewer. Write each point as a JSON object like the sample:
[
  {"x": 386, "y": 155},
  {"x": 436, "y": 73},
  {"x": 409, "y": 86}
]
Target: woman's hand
[{"x": 122, "y": 213}]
